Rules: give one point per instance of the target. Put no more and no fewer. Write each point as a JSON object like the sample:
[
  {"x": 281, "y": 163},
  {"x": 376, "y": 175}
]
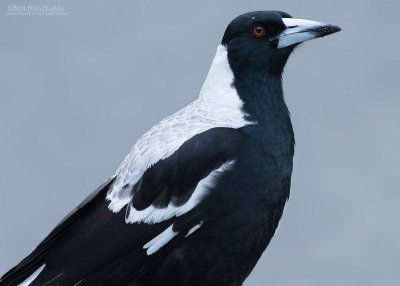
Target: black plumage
[{"x": 240, "y": 173}]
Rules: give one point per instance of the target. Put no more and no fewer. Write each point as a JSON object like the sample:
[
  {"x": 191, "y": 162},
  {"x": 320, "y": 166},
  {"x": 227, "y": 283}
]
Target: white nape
[
  {"x": 193, "y": 229},
  {"x": 218, "y": 105},
  {"x": 160, "y": 240},
  {"x": 33, "y": 276}
]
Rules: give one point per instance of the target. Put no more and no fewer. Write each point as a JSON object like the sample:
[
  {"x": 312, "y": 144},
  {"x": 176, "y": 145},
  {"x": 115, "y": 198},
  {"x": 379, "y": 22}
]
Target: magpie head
[{"x": 263, "y": 40}]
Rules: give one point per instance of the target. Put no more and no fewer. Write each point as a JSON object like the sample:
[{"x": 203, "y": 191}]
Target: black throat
[
  {"x": 259, "y": 85},
  {"x": 260, "y": 89},
  {"x": 262, "y": 95}
]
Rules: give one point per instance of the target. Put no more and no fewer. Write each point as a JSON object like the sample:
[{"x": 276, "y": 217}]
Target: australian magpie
[{"x": 199, "y": 196}]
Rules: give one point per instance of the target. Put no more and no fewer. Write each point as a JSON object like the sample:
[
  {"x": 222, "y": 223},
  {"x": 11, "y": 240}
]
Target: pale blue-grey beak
[{"x": 299, "y": 30}]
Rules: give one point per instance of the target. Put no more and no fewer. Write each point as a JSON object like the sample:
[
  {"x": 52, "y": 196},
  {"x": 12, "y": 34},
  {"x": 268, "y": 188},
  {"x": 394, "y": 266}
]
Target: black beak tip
[{"x": 329, "y": 29}]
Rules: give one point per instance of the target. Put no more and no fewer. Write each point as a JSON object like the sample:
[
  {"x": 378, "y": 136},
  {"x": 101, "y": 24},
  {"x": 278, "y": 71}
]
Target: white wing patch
[
  {"x": 154, "y": 215},
  {"x": 159, "y": 241},
  {"x": 218, "y": 105},
  {"x": 33, "y": 276}
]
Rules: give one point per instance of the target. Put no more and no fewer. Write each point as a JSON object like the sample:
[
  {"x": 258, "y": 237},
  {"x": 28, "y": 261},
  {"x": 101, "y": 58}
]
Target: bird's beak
[{"x": 299, "y": 30}]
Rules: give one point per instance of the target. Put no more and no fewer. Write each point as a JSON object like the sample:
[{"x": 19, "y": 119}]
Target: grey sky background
[{"x": 77, "y": 91}]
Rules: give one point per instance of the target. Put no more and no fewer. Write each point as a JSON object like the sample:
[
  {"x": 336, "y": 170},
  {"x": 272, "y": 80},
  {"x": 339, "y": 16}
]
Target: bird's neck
[
  {"x": 258, "y": 93},
  {"x": 245, "y": 93},
  {"x": 260, "y": 90},
  {"x": 218, "y": 87},
  {"x": 262, "y": 96}
]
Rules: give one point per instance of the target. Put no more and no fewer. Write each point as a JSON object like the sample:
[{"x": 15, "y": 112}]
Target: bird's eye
[{"x": 258, "y": 31}]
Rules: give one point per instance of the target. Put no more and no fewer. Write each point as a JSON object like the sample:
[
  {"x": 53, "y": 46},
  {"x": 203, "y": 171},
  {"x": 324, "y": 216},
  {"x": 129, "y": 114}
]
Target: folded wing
[{"x": 94, "y": 244}]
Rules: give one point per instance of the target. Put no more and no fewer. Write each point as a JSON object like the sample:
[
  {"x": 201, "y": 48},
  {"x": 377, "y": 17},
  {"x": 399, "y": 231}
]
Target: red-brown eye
[{"x": 258, "y": 31}]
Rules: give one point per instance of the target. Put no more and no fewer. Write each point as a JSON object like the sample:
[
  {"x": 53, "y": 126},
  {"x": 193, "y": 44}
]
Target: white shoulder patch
[
  {"x": 154, "y": 215},
  {"x": 218, "y": 105},
  {"x": 33, "y": 276}
]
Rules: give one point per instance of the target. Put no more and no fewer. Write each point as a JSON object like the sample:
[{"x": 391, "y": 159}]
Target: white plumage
[
  {"x": 218, "y": 105},
  {"x": 154, "y": 215}
]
